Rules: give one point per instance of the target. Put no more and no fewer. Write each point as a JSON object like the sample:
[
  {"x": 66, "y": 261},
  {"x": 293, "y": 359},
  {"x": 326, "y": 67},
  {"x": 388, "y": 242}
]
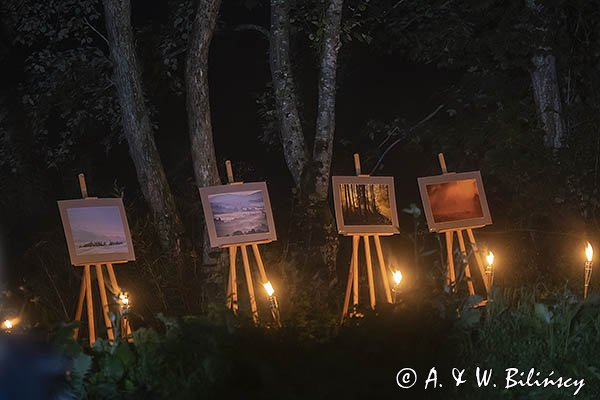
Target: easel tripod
[
  {"x": 86, "y": 294},
  {"x": 352, "y": 288},
  {"x": 449, "y": 235},
  {"x": 232, "y": 293}
]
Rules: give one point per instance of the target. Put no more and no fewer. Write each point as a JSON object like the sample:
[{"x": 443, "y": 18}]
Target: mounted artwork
[
  {"x": 96, "y": 231},
  {"x": 454, "y": 201},
  {"x": 365, "y": 204},
  {"x": 239, "y": 213}
]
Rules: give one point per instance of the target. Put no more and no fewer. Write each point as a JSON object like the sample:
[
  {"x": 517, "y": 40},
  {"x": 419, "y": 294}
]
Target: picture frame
[
  {"x": 96, "y": 231},
  {"x": 238, "y": 213},
  {"x": 365, "y": 204},
  {"x": 454, "y": 201}
]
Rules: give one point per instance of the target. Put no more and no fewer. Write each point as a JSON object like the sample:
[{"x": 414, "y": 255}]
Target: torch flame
[
  {"x": 589, "y": 252},
  {"x": 269, "y": 288},
  {"x": 124, "y": 299},
  {"x": 7, "y": 324},
  {"x": 397, "y": 277},
  {"x": 490, "y": 258}
]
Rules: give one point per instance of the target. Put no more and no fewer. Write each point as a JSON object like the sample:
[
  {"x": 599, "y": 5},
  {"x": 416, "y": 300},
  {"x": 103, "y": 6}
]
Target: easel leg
[
  {"x": 259, "y": 262},
  {"x": 90, "y": 304},
  {"x": 115, "y": 290},
  {"x": 113, "y": 279},
  {"x": 104, "y": 301},
  {"x": 355, "y": 240},
  {"x": 348, "y": 291},
  {"x": 232, "y": 303},
  {"x": 451, "y": 275},
  {"x": 382, "y": 266},
  {"x": 480, "y": 264},
  {"x": 79, "y": 309},
  {"x": 463, "y": 251},
  {"x": 369, "y": 271},
  {"x": 249, "y": 284}
]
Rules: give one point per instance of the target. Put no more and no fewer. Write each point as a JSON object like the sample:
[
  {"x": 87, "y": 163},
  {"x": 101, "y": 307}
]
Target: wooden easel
[
  {"x": 353, "y": 274},
  {"x": 451, "y": 274},
  {"x": 232, "y": 294},
  {"x": 85, "y": 292}
]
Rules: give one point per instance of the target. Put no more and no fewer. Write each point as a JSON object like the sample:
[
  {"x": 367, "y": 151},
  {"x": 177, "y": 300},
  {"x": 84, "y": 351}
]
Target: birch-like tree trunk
[
  {"x": 546, "y": 92},
  {"x": 323, "y": 144},
  {"x": 137, "y": 127},
  {"x": 204, "y": 160},
  {"x": 544, "y": 80},
  {"x": 286, "y": 101},
  {"x": 198, "y": 102}
]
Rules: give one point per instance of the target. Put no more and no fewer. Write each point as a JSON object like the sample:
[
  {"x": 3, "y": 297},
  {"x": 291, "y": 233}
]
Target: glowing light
[
  {"x": 124, "y": 299},
  {"x": 269, "y": 288},
  {"x": 397, "y": 277},
  {"x": 7, "y": 324},
  {"x": 490, "y": 258},
  {"x": 589, "y": 252}
]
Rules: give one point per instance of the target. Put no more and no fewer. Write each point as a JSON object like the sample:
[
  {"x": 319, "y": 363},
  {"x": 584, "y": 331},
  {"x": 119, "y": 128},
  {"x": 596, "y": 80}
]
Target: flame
[
  {"x": 397, "y": 277},
  {"x": 269, "y": 288},
  {"x": 124, "y": 299},
  {"x": 589, "y": 252},
  {"x": 490, "y": 258},
  {"x": 8, "y": 324}
]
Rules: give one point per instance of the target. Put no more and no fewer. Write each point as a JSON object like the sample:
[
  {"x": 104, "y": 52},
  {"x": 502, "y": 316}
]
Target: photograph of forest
[
  {"x": 365, "y": 204},
  {"x": 454, "y": 201}
]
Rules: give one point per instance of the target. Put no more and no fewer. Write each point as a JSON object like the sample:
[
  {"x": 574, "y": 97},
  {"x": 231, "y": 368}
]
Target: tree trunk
[
  {"x": 547, "y": 99},
  {"x": 137, "y": 128},
  {"x": 198, "y": 110},
  {"x": 546, "y": 90},
  {"x": 286, "y": 102},
  {"x": 198, "y": 103},
  {"x": 323, "y": 144}
]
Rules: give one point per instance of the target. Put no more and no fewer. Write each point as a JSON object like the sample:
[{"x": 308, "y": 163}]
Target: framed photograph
[
  {"x": 239, "y": 213},
  {"x": 365, "y": 204},
  {"x": 96, "y": 231},
  {"x": 454, "y": 201}
]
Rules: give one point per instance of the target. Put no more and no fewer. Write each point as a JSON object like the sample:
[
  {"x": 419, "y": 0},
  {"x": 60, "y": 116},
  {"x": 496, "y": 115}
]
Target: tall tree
[
  {"x": 544, "y": 79},
  {"x": 137, "y": 127},
  {"x": 198, "y": 102}
]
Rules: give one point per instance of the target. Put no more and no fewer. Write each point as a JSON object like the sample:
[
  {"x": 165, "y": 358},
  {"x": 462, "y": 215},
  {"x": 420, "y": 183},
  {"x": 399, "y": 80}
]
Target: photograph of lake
[
  {"x": 239, "y": 213},
  {"x": 455, "y": 201},
  {"x": 97, "y": 230}
]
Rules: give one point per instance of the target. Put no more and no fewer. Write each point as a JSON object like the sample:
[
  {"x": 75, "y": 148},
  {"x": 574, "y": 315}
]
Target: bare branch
[
  {"x": 95, "y": 30},
  {"x": 427, "y": 118},
  {"x": 253, "y": 27}
]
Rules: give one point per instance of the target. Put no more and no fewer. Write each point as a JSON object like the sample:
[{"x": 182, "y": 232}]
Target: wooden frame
[
  {"x": 221, "y": 241},
  {"x": 440, "y": 225},
  {"x": 347, "y": 228},
  {"x": 95, "y": 258}
]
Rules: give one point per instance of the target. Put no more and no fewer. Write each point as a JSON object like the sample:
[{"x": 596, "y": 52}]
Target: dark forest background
[{"x": 510, "y": 88}]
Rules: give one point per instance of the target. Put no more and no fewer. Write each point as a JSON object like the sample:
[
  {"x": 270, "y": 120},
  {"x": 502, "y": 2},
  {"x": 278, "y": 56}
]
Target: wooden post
[
  {"x": 443, "y": 163},
  {"x": 348, "y": 290},
  {"x": 249, "y": 284},
  {"x": 355, "y": 240},
  {"x": 357, "y": 168},
  {"x": 104, "y": 301},
  {"x": 463, "y": 251},
  {"x": 90, "y": 306},
  {"x": 480, "y": 264},
  {"x": 451, "y": 275},
  {"x": 229, "y": 172},
  {"x": 83, "y": 185},
  {"x": 382, "y": 266},
  {"x": 369, "y": 271}
]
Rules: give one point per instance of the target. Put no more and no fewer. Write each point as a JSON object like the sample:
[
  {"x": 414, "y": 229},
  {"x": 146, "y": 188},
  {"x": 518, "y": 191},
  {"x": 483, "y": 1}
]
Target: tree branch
[
  {"x": 95, "y": 30},
  {"x": 427, "y": 118},
  {"x": 253, "y": 27}
]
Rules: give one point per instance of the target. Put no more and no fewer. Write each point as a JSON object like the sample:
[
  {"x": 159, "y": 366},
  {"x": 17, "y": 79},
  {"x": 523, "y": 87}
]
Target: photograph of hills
[
  {"x": 97, "y": 230},
  {"x": 239, "y": 213}
]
